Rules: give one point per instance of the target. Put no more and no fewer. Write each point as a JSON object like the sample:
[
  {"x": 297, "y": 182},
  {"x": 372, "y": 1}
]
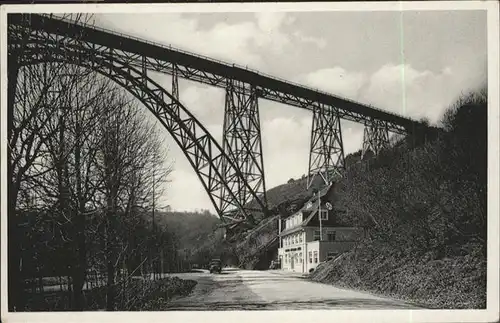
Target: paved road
[{"x": 273, "y": 290}]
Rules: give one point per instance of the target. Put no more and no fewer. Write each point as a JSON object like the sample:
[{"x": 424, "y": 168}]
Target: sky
[{"x": 415, "y": 63}]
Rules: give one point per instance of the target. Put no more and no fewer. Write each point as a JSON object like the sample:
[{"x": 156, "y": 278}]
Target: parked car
[{"x": 215, "y": 266}]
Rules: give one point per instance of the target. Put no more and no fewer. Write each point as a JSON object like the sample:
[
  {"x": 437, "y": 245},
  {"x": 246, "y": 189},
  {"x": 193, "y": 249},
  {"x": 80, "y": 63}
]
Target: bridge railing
[{"x": 170, "y": 47}]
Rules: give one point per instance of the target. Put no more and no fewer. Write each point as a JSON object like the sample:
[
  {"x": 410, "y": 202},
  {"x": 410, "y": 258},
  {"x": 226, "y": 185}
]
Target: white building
[{"x": 312, "y": 235}]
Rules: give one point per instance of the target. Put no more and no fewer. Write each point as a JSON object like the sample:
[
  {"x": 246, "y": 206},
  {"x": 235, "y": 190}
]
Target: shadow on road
[
  {"x": 260, "y": 290},
  {"x": 347, "y": 303}
]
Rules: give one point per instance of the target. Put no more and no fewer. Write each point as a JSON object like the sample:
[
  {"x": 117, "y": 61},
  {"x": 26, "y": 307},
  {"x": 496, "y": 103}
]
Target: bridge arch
[{"x": 200, "y": 148}]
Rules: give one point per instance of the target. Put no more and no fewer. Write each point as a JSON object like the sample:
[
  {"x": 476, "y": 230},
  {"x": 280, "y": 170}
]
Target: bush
[{"x": 138, "y": 295}]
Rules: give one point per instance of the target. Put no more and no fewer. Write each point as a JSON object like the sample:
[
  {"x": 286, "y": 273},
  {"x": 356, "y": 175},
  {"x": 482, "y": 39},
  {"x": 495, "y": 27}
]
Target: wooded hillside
[{"x": 425, "y": 214}]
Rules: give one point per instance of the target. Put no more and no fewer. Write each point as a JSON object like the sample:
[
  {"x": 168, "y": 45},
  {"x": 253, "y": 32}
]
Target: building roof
[
  {"x": 312, "y": 203},
  {"x": 309, "y": 209}
]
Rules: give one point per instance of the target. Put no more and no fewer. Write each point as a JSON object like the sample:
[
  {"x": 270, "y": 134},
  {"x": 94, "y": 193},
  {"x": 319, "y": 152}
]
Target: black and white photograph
[{"x": 294, "y": 161}]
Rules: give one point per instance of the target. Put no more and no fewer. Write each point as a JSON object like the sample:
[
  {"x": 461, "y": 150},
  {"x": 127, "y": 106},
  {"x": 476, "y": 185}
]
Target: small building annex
[{"x": 313, "y": 235}]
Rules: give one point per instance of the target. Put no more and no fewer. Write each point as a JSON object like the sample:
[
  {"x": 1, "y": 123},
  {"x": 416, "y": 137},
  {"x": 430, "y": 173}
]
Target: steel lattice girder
[
  {"x": 202, "y": 151},
  {"x": 164, "y": 59},
  {"x": 375, "y": 137},
  {"x": 242, "y": 142},
  {"x": 326, "y": 157}
]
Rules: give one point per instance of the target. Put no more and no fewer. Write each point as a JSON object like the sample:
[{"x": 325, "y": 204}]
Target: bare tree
[
  {"x": 130, "y": 156},
  {"x": 71, "y": 185},
  {"x": 32, "y": 97},
  {"x": 81, "y": 152},
  {"x": 35, "y": 121}
]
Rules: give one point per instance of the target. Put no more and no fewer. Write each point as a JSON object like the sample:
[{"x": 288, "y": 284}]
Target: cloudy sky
[{"x": 412, "y": 63}]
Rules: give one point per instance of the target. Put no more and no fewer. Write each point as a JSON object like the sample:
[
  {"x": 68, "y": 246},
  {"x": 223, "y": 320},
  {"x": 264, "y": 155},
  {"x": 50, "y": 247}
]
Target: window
[
  {"x": 324, "y": 214},
  {"x": 315, "y": 257},
  {"x": 331, "y": 235},
  {"x": 317, "y": 235},
  {"x": 300, "y": 237},
  {"x": 310, "y": 257},
  {"x": 300, "y": 257}
]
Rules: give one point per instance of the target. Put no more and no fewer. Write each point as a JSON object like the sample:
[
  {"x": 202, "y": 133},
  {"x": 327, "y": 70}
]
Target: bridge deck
[{"x": 269, "y": 87}]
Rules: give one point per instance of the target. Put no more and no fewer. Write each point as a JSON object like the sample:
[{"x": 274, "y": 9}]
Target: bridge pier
[
  {"x": 375, "y": 137},
  {"x": 242, "y": 143},
  {"x": 326, "y": 157}
]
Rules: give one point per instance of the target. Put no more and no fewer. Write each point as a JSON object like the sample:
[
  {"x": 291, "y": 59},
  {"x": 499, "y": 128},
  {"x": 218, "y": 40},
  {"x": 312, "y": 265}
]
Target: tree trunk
[
  {"x": 110, "y": 302},
  {"x": 81, "y": 260},
  {"x": 15, "y": 282},
  {"x": 110, "y": 250}
]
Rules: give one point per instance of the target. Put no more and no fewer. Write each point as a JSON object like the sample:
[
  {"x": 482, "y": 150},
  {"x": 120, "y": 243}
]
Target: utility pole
[
  {"x": 154, "y": 228},
  {"x": 319, "y": 214},
  {"x": 279, "y": 229}
]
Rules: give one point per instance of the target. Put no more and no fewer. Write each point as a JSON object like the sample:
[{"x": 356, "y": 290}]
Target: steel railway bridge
[{"x": 232, "y": 173}]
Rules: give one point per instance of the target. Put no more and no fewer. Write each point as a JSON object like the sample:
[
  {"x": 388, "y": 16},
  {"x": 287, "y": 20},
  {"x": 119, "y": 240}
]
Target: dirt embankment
[{"x": 447, "y": 283}]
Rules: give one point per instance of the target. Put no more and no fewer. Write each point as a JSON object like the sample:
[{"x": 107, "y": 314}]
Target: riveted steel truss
[
  {"x": 326, "y": 157},
  {"x": 201, "y": 69},
  {"x": 35, "y": 45},
  {"x": 116, "y": 52},
  {"x": 242, "y": 142},
  {"x": 375, "y": 137}
]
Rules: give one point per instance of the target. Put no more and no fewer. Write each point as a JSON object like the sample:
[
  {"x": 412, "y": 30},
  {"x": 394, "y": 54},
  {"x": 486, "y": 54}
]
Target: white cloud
[
  {"x": 336, "y": 80},
  {"x": 400, "y": 89},
  {"x": 269, "y": 21},
  {"x": 206, "y": 103},
  {"x": 414, "y": 93},
  {"x": 319, "y": 42}
]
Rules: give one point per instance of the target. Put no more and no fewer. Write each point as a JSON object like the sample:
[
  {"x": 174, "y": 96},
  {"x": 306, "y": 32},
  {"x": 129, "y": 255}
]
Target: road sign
[{"x": 329, "y": 206}]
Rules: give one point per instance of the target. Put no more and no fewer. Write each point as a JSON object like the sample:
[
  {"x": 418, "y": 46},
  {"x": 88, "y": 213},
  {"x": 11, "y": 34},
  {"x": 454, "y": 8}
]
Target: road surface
[{"x": 272, "y": 290}]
